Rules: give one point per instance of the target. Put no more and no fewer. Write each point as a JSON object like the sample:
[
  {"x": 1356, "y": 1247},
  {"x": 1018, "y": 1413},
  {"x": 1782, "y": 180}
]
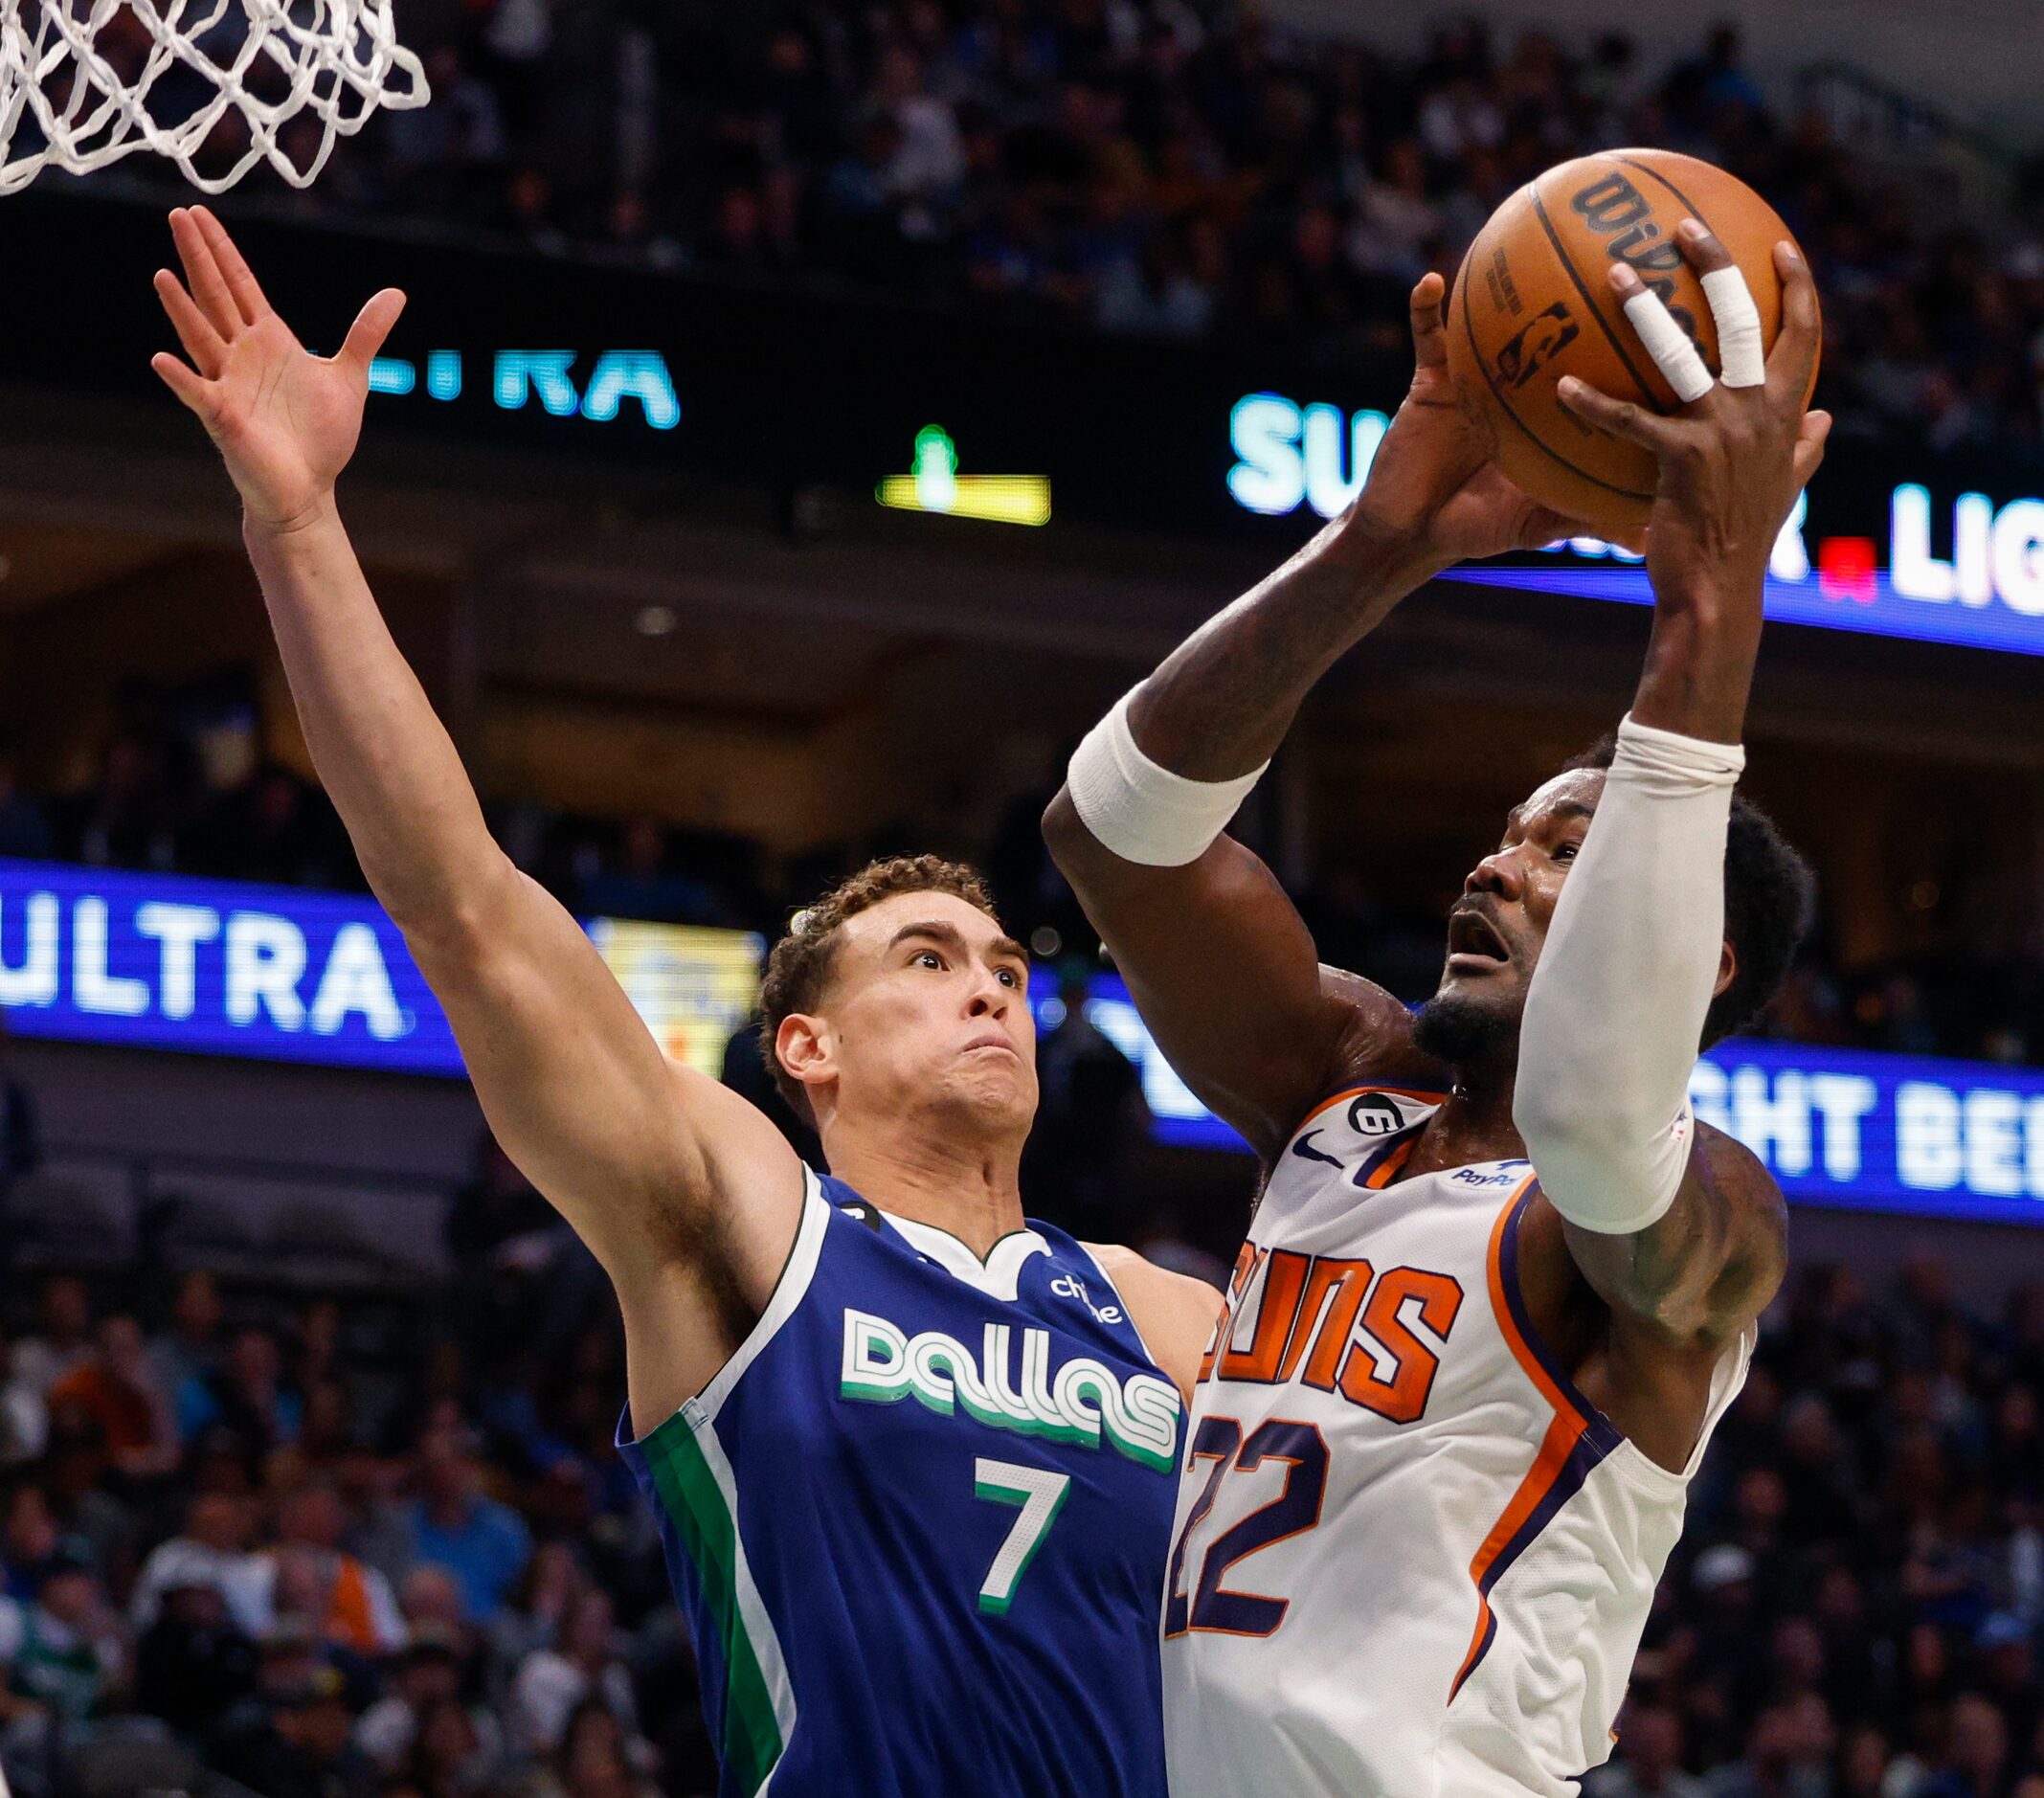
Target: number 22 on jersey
[{"x": 1359, "y": 1328}]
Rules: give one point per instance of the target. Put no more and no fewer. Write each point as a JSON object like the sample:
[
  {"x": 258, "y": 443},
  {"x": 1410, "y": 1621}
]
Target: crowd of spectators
[
  {"x": 363, "y": 1551},
  {"x": 331, "y": 1554},
  {"x": 1855, "y": 1610},
  {"x": 1184, "y": 168}
]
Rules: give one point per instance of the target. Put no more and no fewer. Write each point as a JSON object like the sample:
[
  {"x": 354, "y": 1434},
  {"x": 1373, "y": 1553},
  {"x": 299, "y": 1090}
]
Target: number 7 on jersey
[{"x": 1040, "y": 1494}]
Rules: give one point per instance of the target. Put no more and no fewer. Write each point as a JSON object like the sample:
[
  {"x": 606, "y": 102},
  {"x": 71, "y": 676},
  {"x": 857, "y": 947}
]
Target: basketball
[{"x": 1533, "y": 303}]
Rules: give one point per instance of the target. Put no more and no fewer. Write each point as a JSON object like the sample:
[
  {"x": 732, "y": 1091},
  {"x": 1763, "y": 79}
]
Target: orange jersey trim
[
  {"x": 1577, "y": 1439},
  {"x": 1356, "y": 1093}
]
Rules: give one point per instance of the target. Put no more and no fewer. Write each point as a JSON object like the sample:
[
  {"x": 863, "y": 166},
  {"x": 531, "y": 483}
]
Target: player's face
[
  {"x": 929, "y": 1012},
  {"x": 1497, "y": 929}
]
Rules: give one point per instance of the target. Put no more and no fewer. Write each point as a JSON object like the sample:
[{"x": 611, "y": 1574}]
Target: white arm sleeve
[{"x": 1616, "y": 1007}]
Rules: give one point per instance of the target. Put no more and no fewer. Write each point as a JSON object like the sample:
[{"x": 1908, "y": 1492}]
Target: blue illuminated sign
[
  {"x": 518, "y": 376},
  {"x": 1955, "y": 569},
  {"x": 1288, "y": 455},
  {"x": 1836, "y": 1127},
  {"x": 1889, "y": 1132},
  {"x": 279, "y": 974},
  {"x": 152, "y": 961}
]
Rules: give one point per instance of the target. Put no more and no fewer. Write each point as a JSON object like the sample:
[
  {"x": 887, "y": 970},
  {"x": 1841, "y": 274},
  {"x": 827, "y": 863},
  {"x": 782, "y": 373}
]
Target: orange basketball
[{"x": 1533, "y": 303}]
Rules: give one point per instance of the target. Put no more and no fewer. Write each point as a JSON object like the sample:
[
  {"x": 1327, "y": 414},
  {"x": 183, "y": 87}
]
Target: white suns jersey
[{"x": 1409, "y": 1559}]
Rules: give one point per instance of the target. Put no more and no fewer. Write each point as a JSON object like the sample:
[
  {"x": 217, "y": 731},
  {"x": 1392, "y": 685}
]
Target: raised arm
[
  {"x": 686, "y": 1194},
  {"x": 1680, "y": 1231},
  {"x": 1215, "y": 954}
]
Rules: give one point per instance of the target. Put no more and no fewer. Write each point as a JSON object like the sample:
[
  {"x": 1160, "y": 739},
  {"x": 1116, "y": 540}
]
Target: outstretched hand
[
  {"x": 1433, "y": 484},
  {"x": 1733, "y": 458},
  {"x": 285, "y": 420}
]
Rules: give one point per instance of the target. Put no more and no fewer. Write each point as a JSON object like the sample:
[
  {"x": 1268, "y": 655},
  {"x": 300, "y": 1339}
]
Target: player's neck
[
  {"x": 1474, "y": 1123},
  {"x": 970, "y": 1190}
]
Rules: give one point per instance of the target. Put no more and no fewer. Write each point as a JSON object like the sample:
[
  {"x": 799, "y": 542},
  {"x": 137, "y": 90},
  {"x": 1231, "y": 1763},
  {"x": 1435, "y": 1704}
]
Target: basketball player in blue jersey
[
  {"x": 1500, "y": 1283},
  {"x": 914, "y": 1457}
]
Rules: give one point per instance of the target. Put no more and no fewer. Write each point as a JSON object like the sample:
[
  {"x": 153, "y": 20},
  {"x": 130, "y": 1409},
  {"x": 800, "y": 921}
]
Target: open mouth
[{"x": 1471, "y": 937}]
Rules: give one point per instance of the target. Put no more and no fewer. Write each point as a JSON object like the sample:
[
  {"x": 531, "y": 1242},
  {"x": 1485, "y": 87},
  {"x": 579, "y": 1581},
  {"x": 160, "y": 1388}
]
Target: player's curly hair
[
  {"x": 1769, "y": 898},
  {"x": 799, "y": 968}
]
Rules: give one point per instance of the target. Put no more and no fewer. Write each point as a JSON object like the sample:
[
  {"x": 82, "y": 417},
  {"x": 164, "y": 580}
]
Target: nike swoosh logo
[{"x": 1306, "y": 1152}]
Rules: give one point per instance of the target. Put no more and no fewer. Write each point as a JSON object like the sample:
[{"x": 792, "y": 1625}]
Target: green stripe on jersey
[{"x": 708, "y": 1532}]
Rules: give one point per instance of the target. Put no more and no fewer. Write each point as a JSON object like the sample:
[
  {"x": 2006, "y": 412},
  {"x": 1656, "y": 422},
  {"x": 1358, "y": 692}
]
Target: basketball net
[{"x": 85, "y": 82}]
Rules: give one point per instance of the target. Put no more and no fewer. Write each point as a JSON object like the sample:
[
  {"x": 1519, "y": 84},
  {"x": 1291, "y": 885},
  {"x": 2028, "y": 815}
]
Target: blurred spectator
[
  {"x": 347, "y": 1605},
  {"x": 480, "y": 1544},
  {"x": 211, "y": 1552},
  {"x": 192, "y": 1665},
  {"x": 302, "y": 1747},
  {"x": 427, "y": 1674},
  {"x": 644, "y": 884},
  {"x": 1977, "y": 1756},
  {"x": 1652, "y": 1766},
  {"x": 538, "y": 1608},
  {"x": 1089, "y": 1119},
  {"x": 131, "y": 815},
  {"x": 65, "y": 1341},
  {"x": 247, "y": 1398},
  {"x": 274, "y": 827},
  {"x": 189, "y": 1353},
  {"x": 24, "y": 1417},
  {"x": 593, "y": 1760},
  {"x": 1788, "y": 1755},
  {"x": 118, "y": 1389},
  {"x": 28, "y": 1537},
  {"x": 64, "y": 1649},
  {"x": 553, "y": 1681}
]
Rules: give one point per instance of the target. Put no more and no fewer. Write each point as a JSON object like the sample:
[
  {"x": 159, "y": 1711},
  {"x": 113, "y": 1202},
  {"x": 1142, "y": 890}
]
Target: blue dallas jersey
[{"x": 918, "y": 1524}]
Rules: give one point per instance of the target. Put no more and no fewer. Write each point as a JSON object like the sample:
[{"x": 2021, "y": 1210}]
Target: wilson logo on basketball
[{"x": 1621, "y": 214}]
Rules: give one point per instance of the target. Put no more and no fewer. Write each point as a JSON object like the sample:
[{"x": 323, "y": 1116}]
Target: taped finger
[
  {"x": 1740, "y": 354},
  {"x": 1668, "y": 345}
]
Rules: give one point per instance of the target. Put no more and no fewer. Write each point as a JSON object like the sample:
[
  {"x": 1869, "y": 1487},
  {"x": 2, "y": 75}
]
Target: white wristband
[{"x": 1142, "y": 812}]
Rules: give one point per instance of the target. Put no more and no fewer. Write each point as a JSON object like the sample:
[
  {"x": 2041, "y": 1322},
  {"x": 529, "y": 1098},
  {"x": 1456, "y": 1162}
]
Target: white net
[{"x": 216, "y": 86}]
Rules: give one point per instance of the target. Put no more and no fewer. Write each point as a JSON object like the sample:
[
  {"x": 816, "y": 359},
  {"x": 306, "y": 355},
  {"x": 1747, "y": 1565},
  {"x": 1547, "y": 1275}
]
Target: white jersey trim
[
  {"x": 757, "y": 1625},
  {"x": 788, "y": 1291},
  {"x": 998, "y": 1276}
]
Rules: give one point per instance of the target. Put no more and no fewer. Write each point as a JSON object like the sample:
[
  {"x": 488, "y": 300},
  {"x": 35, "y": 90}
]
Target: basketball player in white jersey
[{"x": 1500, "y": 1284}]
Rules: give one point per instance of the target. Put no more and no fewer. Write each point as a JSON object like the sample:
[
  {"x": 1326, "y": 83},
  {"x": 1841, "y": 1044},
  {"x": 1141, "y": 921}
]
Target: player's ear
[
  {"x": 1727, "y": 968},
  {"x": 803, "y": 1047}
]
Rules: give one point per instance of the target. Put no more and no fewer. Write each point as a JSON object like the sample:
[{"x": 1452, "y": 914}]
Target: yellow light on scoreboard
[
  {"x": 693, "y": 986},
  {"x": 937, "y": 487}
]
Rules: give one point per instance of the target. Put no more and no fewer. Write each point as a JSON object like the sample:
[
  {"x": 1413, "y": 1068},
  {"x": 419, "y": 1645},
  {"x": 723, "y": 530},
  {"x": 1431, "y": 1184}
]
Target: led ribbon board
[
  {"x": 1950, "y": 567},
  {"x": 281, "y": 973},
  {"x": 935, "y": 485},
  {"x": 1836, "y": 1127}
]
